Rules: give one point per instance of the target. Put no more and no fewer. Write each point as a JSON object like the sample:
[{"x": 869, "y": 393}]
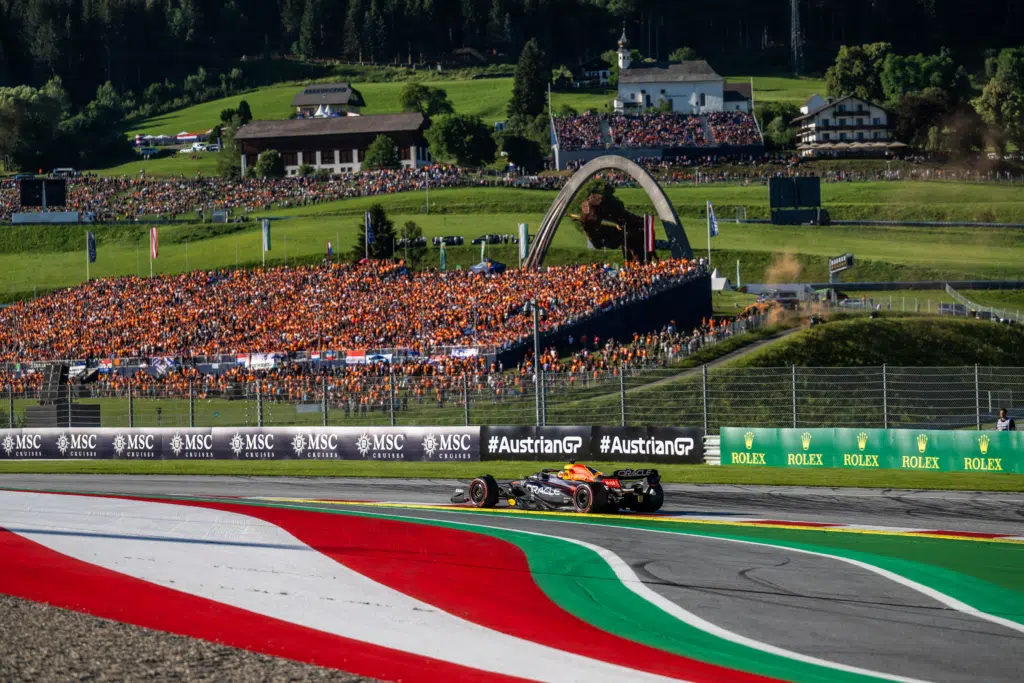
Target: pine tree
[
  {"x": 353, "y": 29},
  {"x": 529, "y": 88},
  {"x": 311, "y": 29},
  {"x": 383, "y": 246}
]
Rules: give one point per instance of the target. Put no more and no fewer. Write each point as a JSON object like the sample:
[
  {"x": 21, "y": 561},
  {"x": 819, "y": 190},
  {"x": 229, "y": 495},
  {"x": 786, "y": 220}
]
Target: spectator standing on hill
[{"x": 1004, "y": 423}]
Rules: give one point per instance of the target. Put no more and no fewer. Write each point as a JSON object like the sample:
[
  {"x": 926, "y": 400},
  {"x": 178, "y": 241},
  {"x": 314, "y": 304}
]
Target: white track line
[
  {"x": 633, "y": 583},
  {"x": 249, "y": 563}
]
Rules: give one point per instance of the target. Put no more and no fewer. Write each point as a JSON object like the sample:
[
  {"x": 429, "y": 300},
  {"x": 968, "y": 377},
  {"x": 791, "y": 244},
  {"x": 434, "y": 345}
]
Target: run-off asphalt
[{"x": 809, "y": 604}]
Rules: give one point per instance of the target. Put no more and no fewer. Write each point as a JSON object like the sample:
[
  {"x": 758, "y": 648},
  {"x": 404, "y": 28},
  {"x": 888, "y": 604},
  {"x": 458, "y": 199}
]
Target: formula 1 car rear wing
[{"x": 635, "y": 474}]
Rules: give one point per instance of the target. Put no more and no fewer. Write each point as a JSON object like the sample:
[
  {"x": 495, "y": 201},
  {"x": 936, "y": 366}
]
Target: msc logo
[
  {"x": 252, "y": 444},
  {"x": 805, "y": 440},
  {"x": 748, "y": 440},
  {"x": 983, "y": 443},
  {"x": 133, "y": 442},
  {"x": 922, "y": 443},
  {"x": 445, "y": 443},
  {"x": 22, "y": 442},
  {"x": 862, "y": 440},
  {"x": 192, "y": 443},
  {"x": 367, "y": 443},
  {"x": 74, "y": 442},
  {"x": 314, "y": 443}
]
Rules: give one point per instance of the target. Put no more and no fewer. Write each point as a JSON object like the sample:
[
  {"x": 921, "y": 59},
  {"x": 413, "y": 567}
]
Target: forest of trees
[{"x": 134, "y": 44}]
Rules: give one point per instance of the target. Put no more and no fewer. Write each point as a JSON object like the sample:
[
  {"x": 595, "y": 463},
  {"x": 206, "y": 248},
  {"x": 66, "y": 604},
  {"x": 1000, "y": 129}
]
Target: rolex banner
[
  {"x": 897, "y": 449},
  {"x": 439, "y": 444}
]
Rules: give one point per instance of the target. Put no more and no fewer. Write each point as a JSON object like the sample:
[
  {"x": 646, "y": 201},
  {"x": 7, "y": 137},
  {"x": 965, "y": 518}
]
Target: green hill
[{"x": 895, "y": 340}]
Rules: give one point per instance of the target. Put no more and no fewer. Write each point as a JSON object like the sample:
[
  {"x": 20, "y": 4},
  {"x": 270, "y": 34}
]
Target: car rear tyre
[
  {"x": 651, "y": 502},
  {"x": 483, "y": 492},
  {"x": 588, "y": 498}
]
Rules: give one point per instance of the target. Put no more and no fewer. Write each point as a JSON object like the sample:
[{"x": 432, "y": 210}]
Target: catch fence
[{"x": 883, "y": 397}]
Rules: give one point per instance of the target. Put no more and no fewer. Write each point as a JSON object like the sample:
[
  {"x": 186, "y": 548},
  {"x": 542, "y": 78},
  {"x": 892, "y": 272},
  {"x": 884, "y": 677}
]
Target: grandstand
[{"x": 578, "y": 139}]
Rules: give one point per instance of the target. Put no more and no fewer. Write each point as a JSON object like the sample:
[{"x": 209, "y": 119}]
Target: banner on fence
[
  {"x": 852, "y": 448},
  {"x": 419, "y": 444},
  {"x": 623, "y": 444}
]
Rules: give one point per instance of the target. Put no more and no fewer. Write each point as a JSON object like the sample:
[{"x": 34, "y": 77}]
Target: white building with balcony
[{"x": 849, "y": 124}]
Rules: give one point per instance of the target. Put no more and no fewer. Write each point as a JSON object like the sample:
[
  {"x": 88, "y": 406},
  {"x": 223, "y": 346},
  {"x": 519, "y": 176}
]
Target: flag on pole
[
  {"x": 444, "y": 258},
  {"x": 330, "y": 249},
  {"x": 266, "y": 235},
  {"x": 712, "y": 221},
  {"x": 369, "y": 229},
  {"x": 154, "y": 244},
  {"x": 483, "y": 250},
  {"x": 524, "y": 241},
  {"x": 91, "y": 245},
  {"x": 649, "y": 234}
]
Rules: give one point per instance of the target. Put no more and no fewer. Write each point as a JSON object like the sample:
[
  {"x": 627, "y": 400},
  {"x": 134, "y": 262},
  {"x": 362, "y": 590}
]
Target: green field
[
  {"x": 695, "y": 474},
  {"x": 766, "y": 253},
  {"x": 484, "y": 97}
]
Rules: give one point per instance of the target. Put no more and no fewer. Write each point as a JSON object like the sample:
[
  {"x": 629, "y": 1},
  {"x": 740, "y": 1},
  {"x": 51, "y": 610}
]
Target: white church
[{"x": 692, "y": 87}]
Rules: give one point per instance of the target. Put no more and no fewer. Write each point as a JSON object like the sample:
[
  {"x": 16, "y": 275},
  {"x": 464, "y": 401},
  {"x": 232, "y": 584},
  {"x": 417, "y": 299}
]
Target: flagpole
[
  {"x": 709, "y": 236},
  {"x": 87, "y": 257}
]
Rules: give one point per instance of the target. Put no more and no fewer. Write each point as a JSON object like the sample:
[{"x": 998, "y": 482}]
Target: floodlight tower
[{"x": 796, "y": 38}]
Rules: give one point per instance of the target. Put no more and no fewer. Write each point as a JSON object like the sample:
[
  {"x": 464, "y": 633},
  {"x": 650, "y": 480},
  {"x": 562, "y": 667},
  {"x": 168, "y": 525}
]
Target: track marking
[
  {"x": 632, "y": 582},
  {"x": 775, "y": 524},
  {"x": 246, "y": 562}
]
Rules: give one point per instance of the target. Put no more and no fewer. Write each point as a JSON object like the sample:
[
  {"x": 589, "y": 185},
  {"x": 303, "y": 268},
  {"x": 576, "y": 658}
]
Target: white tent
[
  {"x": 327, "y": 110},
  {"x": 719, "y": 283},
  {"x": 319, "y": 112}
]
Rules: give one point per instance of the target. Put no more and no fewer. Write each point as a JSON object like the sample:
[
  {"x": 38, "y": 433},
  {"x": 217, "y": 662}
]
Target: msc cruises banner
[{"x": 418, "y": 444}]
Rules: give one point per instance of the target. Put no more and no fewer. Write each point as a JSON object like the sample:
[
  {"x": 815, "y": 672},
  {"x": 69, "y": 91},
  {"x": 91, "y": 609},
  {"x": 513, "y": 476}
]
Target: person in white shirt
[{"x": 1004, "y": 423}]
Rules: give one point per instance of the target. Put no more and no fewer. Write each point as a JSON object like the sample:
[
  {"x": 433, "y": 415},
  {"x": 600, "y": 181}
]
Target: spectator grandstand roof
[
  {"x": 341, "y": 125},
  {"x": 697, "y": 70},
  {"x": 316, "y": 94}
]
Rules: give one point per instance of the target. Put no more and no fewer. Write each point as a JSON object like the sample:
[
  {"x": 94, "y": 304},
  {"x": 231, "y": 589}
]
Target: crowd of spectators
[
  {"x": 369, "y": 305},
  {"x": 132, "y": 198},
  {"x": 654, "y": 131},
  {"x": 579, "y": 132},
  {"x": 734, "y": 128}
]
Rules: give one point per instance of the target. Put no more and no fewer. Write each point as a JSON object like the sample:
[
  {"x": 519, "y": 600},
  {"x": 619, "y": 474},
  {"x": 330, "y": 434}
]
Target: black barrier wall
[
  {"x": 622, "y": 444},
  {"x": 412, "y": 444},
  {"x": 415, "y": 444},
  {"x": 687, "y": 304}
]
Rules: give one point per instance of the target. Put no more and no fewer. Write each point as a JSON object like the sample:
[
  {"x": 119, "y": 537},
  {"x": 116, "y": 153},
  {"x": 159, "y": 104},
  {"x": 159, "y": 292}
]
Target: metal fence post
[
  {"x": 131, "y": 406},
  {"x": 885, "y": 397},
  {"x": 704, "y": 395},
  {"x": 324, "y": 404},
  {"x": 259, "y": 405},
  {"x": 794, "y": 396},
  {"x": 977, "y": 396},
  {"x": 538, "y": 383},
  {"x": 191, "y": 405},
  {"x": 69, "y": 404},
  {"x": 622, "y": 393},
  {"x": 10, "y": 406},
  {"x": 391, "y": 398},
  {"x": 465, "y": 398}
]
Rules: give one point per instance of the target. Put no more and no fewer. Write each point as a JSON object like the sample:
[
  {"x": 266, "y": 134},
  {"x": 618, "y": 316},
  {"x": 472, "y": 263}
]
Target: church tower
[{"x": 623, "y": 50}]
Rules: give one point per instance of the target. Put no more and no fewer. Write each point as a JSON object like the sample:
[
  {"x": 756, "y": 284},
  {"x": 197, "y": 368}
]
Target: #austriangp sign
[
  {"x": 419, "y": 444},
  {"x": 896, "y": 449},
  {"x": 636, "y": 444}
]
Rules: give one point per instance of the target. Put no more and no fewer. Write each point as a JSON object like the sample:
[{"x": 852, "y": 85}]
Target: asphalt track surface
[
  {"x": 809, "y": 604},
  {"x": 951, "y": 510}
]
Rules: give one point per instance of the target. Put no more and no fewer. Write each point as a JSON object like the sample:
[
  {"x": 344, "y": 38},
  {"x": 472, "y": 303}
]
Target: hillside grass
[
  {"x": 766, "y": 253},
  {"x": 895, "y": 340},
  {"x": 484, "y": 97}
]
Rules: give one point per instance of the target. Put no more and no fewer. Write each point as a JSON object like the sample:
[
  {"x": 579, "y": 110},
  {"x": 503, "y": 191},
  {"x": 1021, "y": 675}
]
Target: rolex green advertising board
[{"x": 900, "y": 449}]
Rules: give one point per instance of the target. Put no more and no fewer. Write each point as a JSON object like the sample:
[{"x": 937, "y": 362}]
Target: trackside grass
[{"x": 681, "y": 474}]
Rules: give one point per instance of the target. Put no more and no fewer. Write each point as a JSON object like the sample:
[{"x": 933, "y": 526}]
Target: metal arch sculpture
[{"x": 666, "y": 212}]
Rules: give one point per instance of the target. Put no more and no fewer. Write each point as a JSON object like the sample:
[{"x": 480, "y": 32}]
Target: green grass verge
[
  {"x": 682, "y": 474},
  {"x": 896, "y": 340}
]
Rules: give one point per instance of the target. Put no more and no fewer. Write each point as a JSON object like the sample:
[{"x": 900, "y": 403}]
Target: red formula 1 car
[{"x": 574, "y": 487}]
